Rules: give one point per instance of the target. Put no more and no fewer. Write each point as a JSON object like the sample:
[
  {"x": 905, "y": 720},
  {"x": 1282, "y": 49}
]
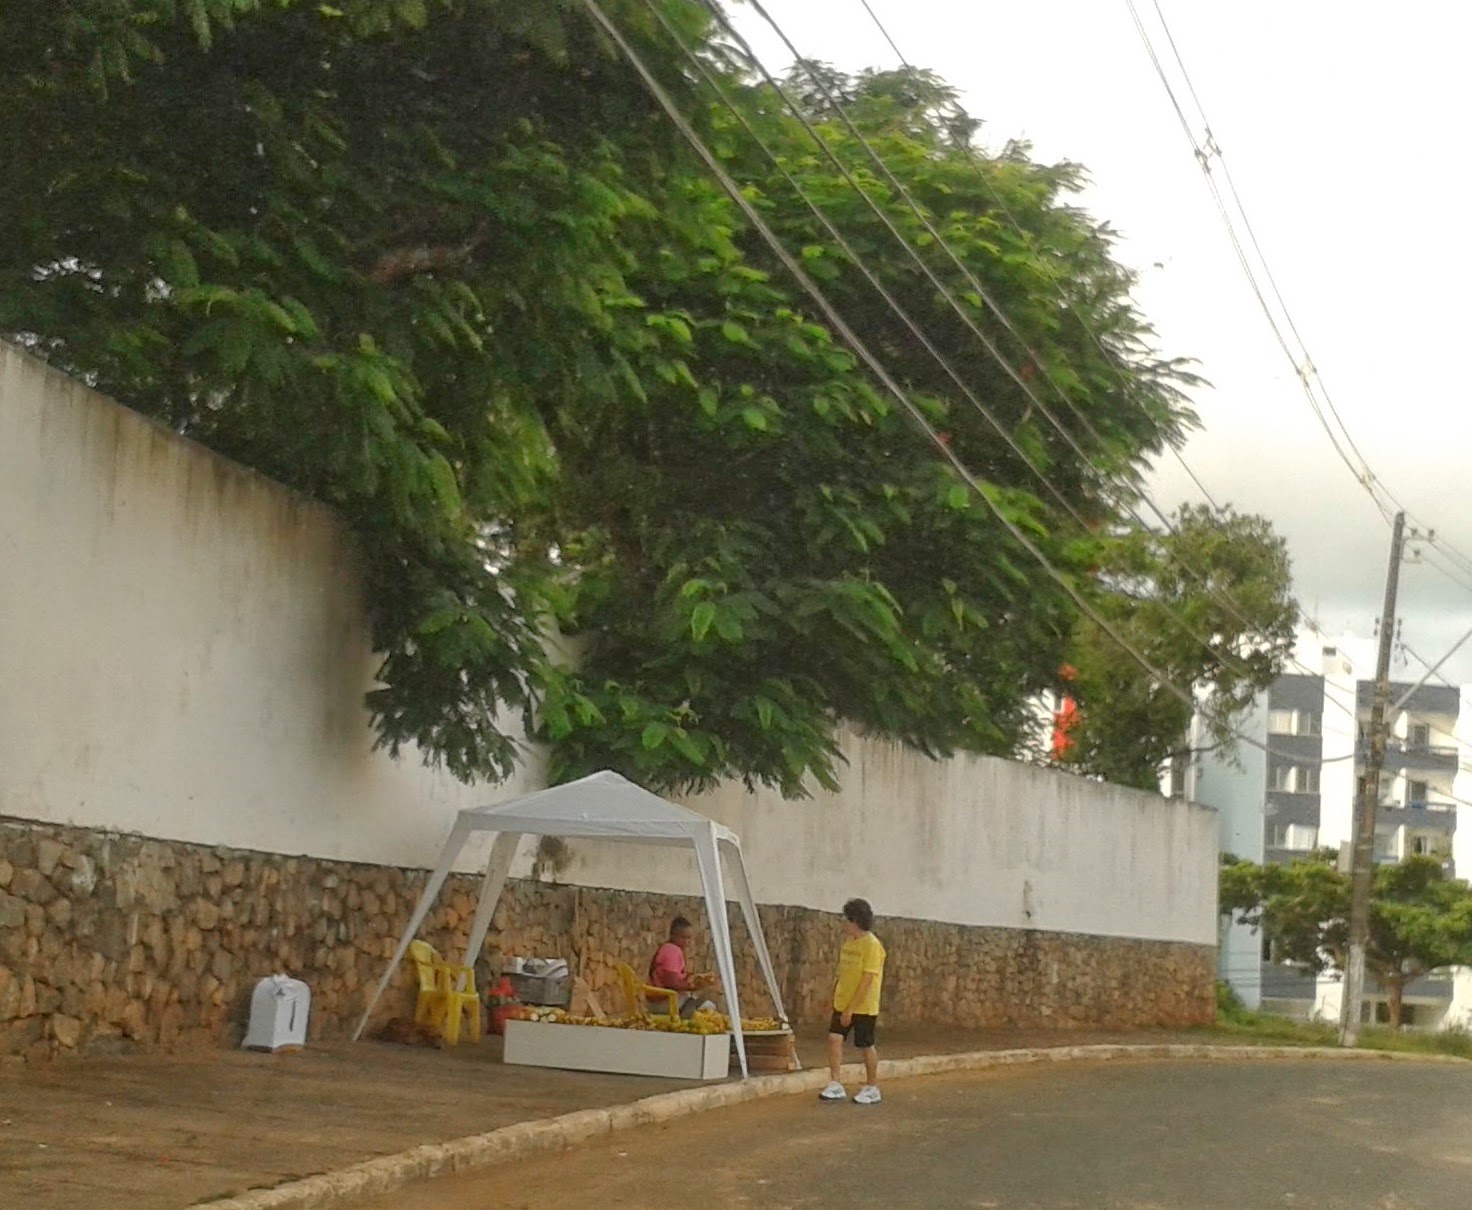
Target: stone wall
[{"x": 106, "y": 937}]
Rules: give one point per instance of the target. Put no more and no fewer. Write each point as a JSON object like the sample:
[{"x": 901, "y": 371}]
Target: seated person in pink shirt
[{"x": 667, "y": 970}]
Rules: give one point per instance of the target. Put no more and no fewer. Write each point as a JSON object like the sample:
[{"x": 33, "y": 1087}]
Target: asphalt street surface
[{"x": 1105, "y": 1136}]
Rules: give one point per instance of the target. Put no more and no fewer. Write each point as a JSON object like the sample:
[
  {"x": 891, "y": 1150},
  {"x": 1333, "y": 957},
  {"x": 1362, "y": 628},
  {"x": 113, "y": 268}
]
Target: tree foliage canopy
[
  {"x": 1420, "y": 919},
  {"x": 442, "y": 265},
  {"x": 1208, "y": 602}
]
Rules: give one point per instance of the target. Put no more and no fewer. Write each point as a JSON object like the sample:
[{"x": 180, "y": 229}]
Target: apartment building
[{"x": 1298, "y": 796}]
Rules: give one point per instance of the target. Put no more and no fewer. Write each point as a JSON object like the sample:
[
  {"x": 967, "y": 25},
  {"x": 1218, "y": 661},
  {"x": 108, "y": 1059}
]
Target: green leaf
[
  {"x": 701, "y": 618},
  {"x": 312, "y": 257},
  {"x": 686, "y": 747},
  {"x": 755, "y": 418},
  {"x": 654, "y": 735},
  {"x": 958, "y": 496},
  {"x": 442, "y": 478}
]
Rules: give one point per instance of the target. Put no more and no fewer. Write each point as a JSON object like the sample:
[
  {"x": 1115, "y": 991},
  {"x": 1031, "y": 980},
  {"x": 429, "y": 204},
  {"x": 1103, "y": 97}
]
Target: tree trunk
[{"x": 1395, "y": 990}]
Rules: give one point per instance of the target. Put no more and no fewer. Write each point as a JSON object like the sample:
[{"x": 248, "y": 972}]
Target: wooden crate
[{"x": 767, "y": 1052}]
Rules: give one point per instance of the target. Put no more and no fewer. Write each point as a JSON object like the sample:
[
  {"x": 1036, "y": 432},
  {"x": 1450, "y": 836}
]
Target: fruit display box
[
  {"x": 630, "y": 1052},
  {"x": 768, "y": 1050}
]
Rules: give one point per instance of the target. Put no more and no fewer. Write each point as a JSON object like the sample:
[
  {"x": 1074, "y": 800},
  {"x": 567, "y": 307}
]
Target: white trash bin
[{"x": 278, "y": 1014}]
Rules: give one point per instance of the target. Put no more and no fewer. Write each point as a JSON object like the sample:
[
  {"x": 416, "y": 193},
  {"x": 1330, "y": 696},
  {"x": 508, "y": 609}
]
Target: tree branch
[{"x": 399, "y": 263}]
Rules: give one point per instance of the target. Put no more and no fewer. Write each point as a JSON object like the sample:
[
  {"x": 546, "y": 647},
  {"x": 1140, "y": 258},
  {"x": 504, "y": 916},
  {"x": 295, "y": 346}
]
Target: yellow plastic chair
[
  {"x": 446, "y": 994},
  {"x": 457, "y": 987},
  {"x": 428, "y": 1008},
  {"x": 638, "y": 993}
]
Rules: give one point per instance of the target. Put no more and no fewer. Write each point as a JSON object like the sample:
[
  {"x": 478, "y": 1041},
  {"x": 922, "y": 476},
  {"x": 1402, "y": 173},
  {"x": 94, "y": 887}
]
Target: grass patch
[
  {"x": 1242, "y": 1024},
  {"x": 1455, "y": 1042}
]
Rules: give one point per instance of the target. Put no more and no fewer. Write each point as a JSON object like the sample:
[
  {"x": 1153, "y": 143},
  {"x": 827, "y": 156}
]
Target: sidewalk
[{"x": 158, "y": 1131}]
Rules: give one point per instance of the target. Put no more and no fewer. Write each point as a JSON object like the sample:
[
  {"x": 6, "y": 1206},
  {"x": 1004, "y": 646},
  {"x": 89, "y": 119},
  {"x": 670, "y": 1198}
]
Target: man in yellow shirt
[{"x": 856, "y": 1002}]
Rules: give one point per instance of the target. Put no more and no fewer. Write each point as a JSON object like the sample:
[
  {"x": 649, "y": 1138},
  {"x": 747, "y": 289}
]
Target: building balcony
[
  {"x": 1428, "y": 699},
  {"x": 1432, "y": 813},
  {"x": 1421, "y": 758}
]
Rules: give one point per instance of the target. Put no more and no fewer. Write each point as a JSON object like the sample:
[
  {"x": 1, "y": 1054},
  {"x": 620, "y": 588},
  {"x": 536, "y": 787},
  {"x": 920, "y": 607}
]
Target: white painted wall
[
  {"x": 1337, "y": 783},
  {"x": 1462, "y": 790},
  {"x": 183, "y": 654},
  {"x": 182, "y": 649},
  {"x": 971, "y": 840}
]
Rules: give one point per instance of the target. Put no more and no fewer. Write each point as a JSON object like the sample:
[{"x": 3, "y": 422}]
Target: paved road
[{"x": 1122, "y": 1136}]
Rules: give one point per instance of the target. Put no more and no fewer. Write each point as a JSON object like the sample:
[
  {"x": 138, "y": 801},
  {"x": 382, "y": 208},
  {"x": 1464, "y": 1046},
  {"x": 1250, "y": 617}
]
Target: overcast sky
[{"x": 1343, "y": 126}]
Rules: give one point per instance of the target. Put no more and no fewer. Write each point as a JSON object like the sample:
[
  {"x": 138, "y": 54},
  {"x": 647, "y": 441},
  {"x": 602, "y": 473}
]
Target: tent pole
[
  {"x": 498, "y": 868},
  {"x": 758, "y": 936},
  {"x": 754, "y": 926},
  {"x": 708, "y": 858},
  {"x": 426, "y": 901}
]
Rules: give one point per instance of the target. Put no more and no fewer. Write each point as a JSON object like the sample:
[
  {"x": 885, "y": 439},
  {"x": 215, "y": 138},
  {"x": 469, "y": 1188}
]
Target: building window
[
  {"x": 1424, "y": 846},
  {"x": 1417, "y": 793},
  {"x": 1302, "y": 837},
  {"x": 1296, "y": 837},
  {"x": 1292, "y": 722},
  {"x": 1419, "y": 735},
  {"x": 1294, "y": 779}
]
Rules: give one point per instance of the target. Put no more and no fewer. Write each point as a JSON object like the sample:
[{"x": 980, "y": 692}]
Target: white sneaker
[
  {"x": 834, "y": 1092},
  {"x": 867, "y": 1095}
]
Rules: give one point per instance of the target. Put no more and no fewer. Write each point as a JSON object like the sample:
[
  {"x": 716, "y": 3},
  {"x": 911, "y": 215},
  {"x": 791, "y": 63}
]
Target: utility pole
[{"x": 1362, "y": 862}]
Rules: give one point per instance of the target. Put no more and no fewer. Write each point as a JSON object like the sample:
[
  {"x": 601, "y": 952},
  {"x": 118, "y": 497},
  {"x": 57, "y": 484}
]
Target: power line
[
  {"x": 1430, "y": 672},
  {"x": 754, "y": 60},
  {"x": 837, "y": 105},
  {"x": 870, "y": 359},
  {"x": 1226, "y": 657},
  {"x": 1303, "y": 364},
  {"x": 841, "y": 327},
  {"x": 1001, "y": 203},
  {"x": 1456, "y": 577},
  {"x": 1320, "y": 401},
  {"x": 924, "y": 218},
  {"x": 802, "y": 62},
  {"x": 908, "y": 198},
  {"x": 1406, "y": 647},
  {"x": 1231, "y": 184},
  {"x": 970, "y": 154}
]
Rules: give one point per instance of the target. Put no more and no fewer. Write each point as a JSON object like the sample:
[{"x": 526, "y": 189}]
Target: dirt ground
[{"x": 158, "y": 1131}]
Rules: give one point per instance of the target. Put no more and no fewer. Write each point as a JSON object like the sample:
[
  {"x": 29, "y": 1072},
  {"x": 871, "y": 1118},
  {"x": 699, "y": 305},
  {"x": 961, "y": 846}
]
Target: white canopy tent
[{"x": 603, "y": 806}]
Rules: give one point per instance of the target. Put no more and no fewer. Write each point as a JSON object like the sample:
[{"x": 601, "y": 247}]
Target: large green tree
[
  {"x": 1420, "y": 918},
  {"x": 443, "y": 265},
  {"x": 1209, "y": 603}
]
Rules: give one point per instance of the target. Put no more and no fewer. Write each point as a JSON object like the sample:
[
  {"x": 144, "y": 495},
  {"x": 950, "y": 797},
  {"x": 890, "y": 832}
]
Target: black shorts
[{"x": 862, "y": 1024}]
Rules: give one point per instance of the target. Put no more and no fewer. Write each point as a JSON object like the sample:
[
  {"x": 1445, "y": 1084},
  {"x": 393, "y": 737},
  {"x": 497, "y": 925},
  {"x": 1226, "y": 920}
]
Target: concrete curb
[{"x": 374, "y": 1178}]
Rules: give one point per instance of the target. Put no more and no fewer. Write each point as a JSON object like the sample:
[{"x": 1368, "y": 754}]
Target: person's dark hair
[
  {"x": 678, "y": 924},
  {"x": 859, "y": 912}
]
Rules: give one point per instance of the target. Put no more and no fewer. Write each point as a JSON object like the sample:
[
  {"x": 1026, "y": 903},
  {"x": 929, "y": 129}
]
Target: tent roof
[{"x": 599, "y": 805}]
